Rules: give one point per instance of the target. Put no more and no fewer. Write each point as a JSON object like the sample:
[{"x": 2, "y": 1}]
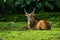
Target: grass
[
  {"x": 10, "y": 31},
  {"x": 53, "y": 34},
  {"x": 12, "y": 25}
]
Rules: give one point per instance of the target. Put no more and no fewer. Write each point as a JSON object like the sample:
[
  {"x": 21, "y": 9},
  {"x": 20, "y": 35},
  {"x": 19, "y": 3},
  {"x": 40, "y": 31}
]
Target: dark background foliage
[{"x": 11, "y": 10}]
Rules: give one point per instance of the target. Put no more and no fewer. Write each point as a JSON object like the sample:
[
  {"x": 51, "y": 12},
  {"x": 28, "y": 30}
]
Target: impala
[{"x": 35, "y": 24}]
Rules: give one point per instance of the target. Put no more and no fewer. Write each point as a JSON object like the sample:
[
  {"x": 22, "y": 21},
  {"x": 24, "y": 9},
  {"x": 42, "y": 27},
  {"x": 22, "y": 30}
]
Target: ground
[
  {"x": 53, "y": 34},
  {"x": 8, "y": 33}
]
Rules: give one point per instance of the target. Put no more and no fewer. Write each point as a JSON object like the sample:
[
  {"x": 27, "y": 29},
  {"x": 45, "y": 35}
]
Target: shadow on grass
[{"x": 18, "y": 28}]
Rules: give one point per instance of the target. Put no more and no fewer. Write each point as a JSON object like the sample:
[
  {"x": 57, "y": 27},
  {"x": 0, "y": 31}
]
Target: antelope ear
[{"x": 32, "y": 14}]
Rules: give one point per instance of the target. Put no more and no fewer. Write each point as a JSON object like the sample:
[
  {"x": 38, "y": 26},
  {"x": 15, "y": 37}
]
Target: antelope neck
[{"x": 30, "y": 20}]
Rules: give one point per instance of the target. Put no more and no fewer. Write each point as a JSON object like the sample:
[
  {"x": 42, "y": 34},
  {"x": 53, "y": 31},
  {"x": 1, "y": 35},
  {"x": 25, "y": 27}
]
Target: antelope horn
[
  {"x": 33, "y": 10},
  {"x": 25, "y": 11}
]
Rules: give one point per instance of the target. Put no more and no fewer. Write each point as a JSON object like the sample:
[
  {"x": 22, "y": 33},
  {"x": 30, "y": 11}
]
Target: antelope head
[{"x": 29, "y": 15}]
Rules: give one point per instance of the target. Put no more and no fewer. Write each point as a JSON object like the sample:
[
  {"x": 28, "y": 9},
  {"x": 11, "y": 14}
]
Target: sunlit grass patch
[{"x": 31, "y": 35}]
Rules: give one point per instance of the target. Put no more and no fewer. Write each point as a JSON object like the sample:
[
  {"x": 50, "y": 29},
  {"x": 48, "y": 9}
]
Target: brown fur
[{"x": 34, "y": 24}]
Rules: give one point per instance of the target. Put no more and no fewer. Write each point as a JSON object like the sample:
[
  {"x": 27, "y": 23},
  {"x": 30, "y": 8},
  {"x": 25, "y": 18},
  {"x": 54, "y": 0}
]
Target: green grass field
[
  {"x": 53, "y": 34},
  {"x": 11, "y": 31}
]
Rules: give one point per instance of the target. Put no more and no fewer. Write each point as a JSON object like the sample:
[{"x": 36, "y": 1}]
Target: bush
[{"x": 53, "y": 16}]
